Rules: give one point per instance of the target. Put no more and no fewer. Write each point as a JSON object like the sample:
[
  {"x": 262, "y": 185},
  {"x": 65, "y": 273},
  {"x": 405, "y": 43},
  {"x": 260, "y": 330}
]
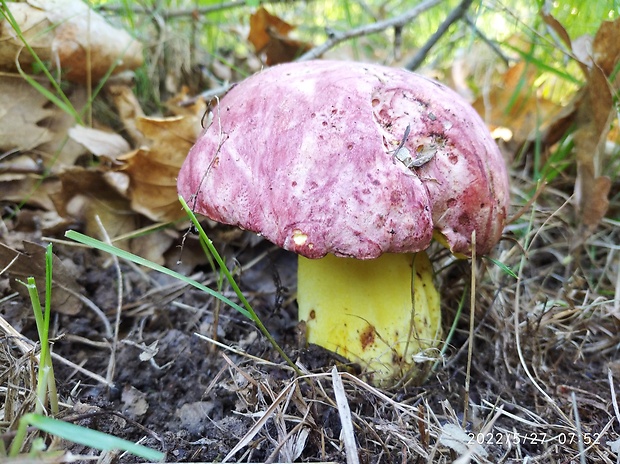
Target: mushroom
[{"x": 354, "y": 167}]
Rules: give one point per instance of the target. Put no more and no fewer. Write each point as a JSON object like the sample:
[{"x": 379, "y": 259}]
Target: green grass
[
  {"x": 80, "y": 435},
  {"x": 46, "y": 384}
]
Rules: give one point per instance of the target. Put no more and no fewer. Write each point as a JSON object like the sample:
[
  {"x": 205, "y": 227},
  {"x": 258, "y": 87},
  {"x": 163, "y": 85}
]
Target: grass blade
[
  {"x": 99, "y": 245},
  {"x": 503, "y": 267},
  {"x": 89, "y": 437}
]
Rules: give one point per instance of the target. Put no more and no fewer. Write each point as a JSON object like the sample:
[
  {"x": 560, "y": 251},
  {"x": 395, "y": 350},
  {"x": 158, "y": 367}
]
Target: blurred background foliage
[{"x": 192, "y": 38}]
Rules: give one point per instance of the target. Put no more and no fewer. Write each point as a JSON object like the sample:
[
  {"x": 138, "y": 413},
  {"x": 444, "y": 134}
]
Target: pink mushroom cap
[{"x": 305, "y": 154}]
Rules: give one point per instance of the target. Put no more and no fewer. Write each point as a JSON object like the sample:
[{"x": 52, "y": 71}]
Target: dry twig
[{"x": 453, "y": 17}]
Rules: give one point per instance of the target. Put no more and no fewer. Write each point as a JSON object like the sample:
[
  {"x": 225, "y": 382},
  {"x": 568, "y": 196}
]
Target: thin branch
[
  {"x": 368, "y": 29},
  {"x": 453, "y": 17},
  {"x": 492, "y": 45}
]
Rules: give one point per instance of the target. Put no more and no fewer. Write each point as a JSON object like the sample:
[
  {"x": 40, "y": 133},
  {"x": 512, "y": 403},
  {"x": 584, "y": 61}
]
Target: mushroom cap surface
[{"x": 305, "y": 154}]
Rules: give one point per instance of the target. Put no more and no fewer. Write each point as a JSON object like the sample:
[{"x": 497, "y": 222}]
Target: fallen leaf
[
  {"x": 153, "y": 245},
  {"x": 591, "y": 189},
  {"x": 87, "y": 193},
  {"x": 595, "y": 112},
  {"x": 29, "y": 189},
  {"x": 28, "y": 122},
  {"x": 269, "y": 35},
  {"x": 68, "y": 33},
  {"x": 31, "y": 263},
  {"x": 282, "y": 49},
  {"x": 260, "y": 23},
  {"x": 153, "y": 169},
  {"x": 128, "y": 109},
  {"x": 16, "y": 166},
  {"x": 100, "y": 143},
  {"x": 31, "y": 220},
  {"x": 22, "y": 112},
  {"x": 557, "y": 27},
  {"x": 134, "y": 401},
  {"x": 606, "y": 46}
]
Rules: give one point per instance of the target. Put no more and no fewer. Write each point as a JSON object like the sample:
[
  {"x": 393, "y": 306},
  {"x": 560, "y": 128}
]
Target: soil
[{"x": 177, "y": 392}]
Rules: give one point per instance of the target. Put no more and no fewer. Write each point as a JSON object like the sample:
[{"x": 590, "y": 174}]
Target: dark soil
[{"x": 179, "y": 393}]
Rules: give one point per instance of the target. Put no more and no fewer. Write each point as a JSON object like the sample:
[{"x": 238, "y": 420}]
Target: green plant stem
[
  {"x": 47, "y": 361},
  {"x": 46, "y": 383},
  {"x": 31, "y": 286},
  {"x": 20, "y": 437}
]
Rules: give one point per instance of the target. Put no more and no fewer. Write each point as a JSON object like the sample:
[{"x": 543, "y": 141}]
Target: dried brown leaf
[
  {"x": 31, "y": 263},
  {"x": 29, "y": 189},
  {"x": 87, "y": 193},
  {"x": 269, "y": 35},
  {"x": 606, "y": 46},
  {"x": 128, "y": 108},
  {"x": 153, "y": 169},
  {"x": 153, "y": 246},
  {"x": 71, "y": 34},
  {"x": 260, "y": 23},
  {"x": 135, "y": 402},
  {"x": 28, "y": 122},
  {"x": 557, "y": 27},
  {"x": 22, "y": 114},
  {"x": 595, "y": 111},
  {"x": 591, "y": 190},
  {"x": 100, "y": 143}
]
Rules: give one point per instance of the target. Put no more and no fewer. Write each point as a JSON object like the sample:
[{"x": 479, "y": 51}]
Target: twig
[
  {"x": 335, "y": 39},
  {"x": 208, "y": 95},
  {"x": 82, "y": 370},
  {"x": 453, "y": 17},
  {"x": 580, "y": 444},
  {"x": 368, "y": 29},
  {"x": 492, "y": 45},
  {"x": 119, "y": 303},
  {"x": 472, "y": 317},
  {"x": 614, "y": 399}
]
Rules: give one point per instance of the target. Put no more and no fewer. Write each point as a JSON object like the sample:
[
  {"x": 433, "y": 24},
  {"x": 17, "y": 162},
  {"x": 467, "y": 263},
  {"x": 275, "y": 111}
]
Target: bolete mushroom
[{"x": 354, "y": 167}]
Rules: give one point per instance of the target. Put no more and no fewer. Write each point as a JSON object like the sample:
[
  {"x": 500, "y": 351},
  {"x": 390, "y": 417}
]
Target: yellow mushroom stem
[{"x": 382, "y": 313}]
